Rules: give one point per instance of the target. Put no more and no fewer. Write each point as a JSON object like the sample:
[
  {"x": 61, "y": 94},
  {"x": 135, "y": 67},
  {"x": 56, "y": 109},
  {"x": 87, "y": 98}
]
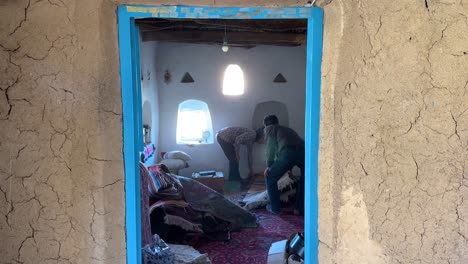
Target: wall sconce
[{"x": 167, "y": 77}]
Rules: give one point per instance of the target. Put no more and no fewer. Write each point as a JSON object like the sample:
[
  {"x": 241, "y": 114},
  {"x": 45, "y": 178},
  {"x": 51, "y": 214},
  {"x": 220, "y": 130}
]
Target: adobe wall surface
[
  {"x": 394, "y": 152},
  {"x": 61, "y": 169},
  {"x": 394, "y": 131}
]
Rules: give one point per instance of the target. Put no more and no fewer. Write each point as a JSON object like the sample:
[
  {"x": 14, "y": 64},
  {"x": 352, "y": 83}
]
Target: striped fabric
[
  {"x": 163, "y": 185},
  {"x": 145, "y": 208},
  {"x": 157, "y": 182}
]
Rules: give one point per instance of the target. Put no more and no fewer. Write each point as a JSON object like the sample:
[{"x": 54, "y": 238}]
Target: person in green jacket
[{"x": 284, "y": 150}]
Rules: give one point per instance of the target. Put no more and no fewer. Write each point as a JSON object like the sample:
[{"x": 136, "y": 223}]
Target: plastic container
[{"x": 296, "y": 247}]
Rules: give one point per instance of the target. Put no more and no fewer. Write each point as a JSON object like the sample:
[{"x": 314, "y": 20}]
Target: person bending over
[{"x": 230, "y": 139}]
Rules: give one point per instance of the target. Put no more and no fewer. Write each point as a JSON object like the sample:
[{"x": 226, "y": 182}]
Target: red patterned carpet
[{"x": 251, "y": 245}]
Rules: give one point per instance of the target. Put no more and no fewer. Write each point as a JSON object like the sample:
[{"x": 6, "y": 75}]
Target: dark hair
[
  {"x": 259, "y": 133},
  {"x": 269, "y": 120}
]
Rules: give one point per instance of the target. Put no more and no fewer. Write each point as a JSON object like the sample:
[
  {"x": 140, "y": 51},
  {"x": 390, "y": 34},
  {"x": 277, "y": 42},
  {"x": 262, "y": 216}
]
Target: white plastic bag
[{"x": 158, "y": 252}]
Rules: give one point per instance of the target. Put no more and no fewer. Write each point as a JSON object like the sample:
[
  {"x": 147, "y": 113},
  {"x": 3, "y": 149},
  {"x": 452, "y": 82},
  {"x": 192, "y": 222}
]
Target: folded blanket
[
  {"x": 178, "y": 213},
  {"x": 184, "y": 209},
  {"x": 205, "y": 199},
  {"x": 183, "y": 223}
]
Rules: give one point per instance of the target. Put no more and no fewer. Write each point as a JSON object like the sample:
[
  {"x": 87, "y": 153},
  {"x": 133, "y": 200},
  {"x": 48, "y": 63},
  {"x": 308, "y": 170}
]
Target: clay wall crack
[{"x": 23, "y": 20}]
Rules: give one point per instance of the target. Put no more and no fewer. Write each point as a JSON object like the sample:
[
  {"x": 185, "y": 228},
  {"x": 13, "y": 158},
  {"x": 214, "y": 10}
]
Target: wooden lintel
[{"x": 216, "y": 37}]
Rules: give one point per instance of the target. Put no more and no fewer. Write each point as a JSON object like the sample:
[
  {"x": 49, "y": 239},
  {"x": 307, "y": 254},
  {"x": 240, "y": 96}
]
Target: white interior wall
[
  {"x": 149, "y": 88},
  {"x": 206, "y": 64}
]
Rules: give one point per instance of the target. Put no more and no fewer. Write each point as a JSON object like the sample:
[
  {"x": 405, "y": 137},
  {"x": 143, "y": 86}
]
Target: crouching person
[{"x": 284, "y": 150}]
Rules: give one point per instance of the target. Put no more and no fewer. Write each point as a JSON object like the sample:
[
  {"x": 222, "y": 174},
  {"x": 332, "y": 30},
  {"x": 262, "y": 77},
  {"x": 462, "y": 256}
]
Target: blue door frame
[{"x": 132, "y": 106}]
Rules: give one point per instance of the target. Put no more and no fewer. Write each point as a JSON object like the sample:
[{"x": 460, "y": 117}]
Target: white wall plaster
[
  {"x": 206, "y": 64},
  {"x": 149, "y": 87}
]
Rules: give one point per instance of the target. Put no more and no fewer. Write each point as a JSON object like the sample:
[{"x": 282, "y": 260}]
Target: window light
[
  {"x": 194, "y": 123},
  {"x": 233, "y": 83}
]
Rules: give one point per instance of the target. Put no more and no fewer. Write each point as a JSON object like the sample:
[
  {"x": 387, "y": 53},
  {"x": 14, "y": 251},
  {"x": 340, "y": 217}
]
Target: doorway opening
[{"x": 133, "y": 72}]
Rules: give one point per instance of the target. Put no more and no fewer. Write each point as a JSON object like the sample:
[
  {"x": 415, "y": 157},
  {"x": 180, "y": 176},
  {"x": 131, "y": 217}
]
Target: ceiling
[{"x": 239, "y": 33}]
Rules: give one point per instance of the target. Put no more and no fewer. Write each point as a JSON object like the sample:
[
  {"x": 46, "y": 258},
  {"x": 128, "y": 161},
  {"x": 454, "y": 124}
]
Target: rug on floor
[{"x": 251, "y": 245}]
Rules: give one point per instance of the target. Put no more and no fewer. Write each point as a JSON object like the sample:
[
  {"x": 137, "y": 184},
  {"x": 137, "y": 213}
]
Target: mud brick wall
[{"x": 393, "y": 184}]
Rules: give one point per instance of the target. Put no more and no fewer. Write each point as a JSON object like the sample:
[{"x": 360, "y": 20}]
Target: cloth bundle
[{"x": 286, "y": 184}]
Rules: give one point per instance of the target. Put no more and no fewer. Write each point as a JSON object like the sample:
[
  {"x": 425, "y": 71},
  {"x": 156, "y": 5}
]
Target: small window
[
  {"x": 194, "y": 123},
  {"x": 233, "y": 83}
]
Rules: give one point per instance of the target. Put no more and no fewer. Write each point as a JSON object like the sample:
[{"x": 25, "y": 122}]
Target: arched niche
[
  {"x": 147, "y": 121},
  {"x": 270, "y": 107}
]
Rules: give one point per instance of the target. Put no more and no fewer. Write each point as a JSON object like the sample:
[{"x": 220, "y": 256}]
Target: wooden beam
[
  {"x": 267, "y": 25},
  {"x": 234, "y": 38}
]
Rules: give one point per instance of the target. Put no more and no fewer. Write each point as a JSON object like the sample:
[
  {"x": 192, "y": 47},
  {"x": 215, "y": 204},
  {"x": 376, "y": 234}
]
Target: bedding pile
[{"x": 182, "y": 210}]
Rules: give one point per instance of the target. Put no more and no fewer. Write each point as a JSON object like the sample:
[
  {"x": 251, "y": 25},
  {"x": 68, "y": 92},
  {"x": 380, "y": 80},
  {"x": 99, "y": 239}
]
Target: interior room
[{"x": 198, "y": 77}]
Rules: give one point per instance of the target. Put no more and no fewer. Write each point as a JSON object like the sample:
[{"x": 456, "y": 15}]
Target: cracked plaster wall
[
  {"x": 394, "y": 130},
  {"x": 394, "y": 134},
  {"x": 61, "y": 169}
]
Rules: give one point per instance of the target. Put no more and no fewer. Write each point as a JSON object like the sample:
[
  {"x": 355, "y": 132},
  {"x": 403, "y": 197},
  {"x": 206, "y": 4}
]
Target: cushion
[
  {"x": 177, "y": 155},
  {"x": 174, "y": 164},
  {"x": 159, "y": 180}
]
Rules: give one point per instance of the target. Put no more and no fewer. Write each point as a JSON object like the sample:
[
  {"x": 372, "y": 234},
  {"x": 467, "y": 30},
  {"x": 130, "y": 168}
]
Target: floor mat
[
  {"x": 251, "y": 245},
  {"x": 231, "y": 186},
  {"x": 233, "y": 191}
]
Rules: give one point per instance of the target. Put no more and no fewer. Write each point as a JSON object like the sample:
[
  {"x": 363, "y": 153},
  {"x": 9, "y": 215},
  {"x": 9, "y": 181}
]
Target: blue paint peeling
[
  {"x": 220, "y": 12},
  {"x": 132, "y": 112}
]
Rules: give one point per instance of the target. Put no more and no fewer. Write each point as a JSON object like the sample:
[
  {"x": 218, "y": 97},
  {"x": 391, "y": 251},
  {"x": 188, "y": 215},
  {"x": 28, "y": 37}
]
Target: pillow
[
  {"x": 177, "y": 155},
  {"x": 157, "y": 181},
  {"x": 160, "y": 181},
  {"x": 174, "y": 164}
]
